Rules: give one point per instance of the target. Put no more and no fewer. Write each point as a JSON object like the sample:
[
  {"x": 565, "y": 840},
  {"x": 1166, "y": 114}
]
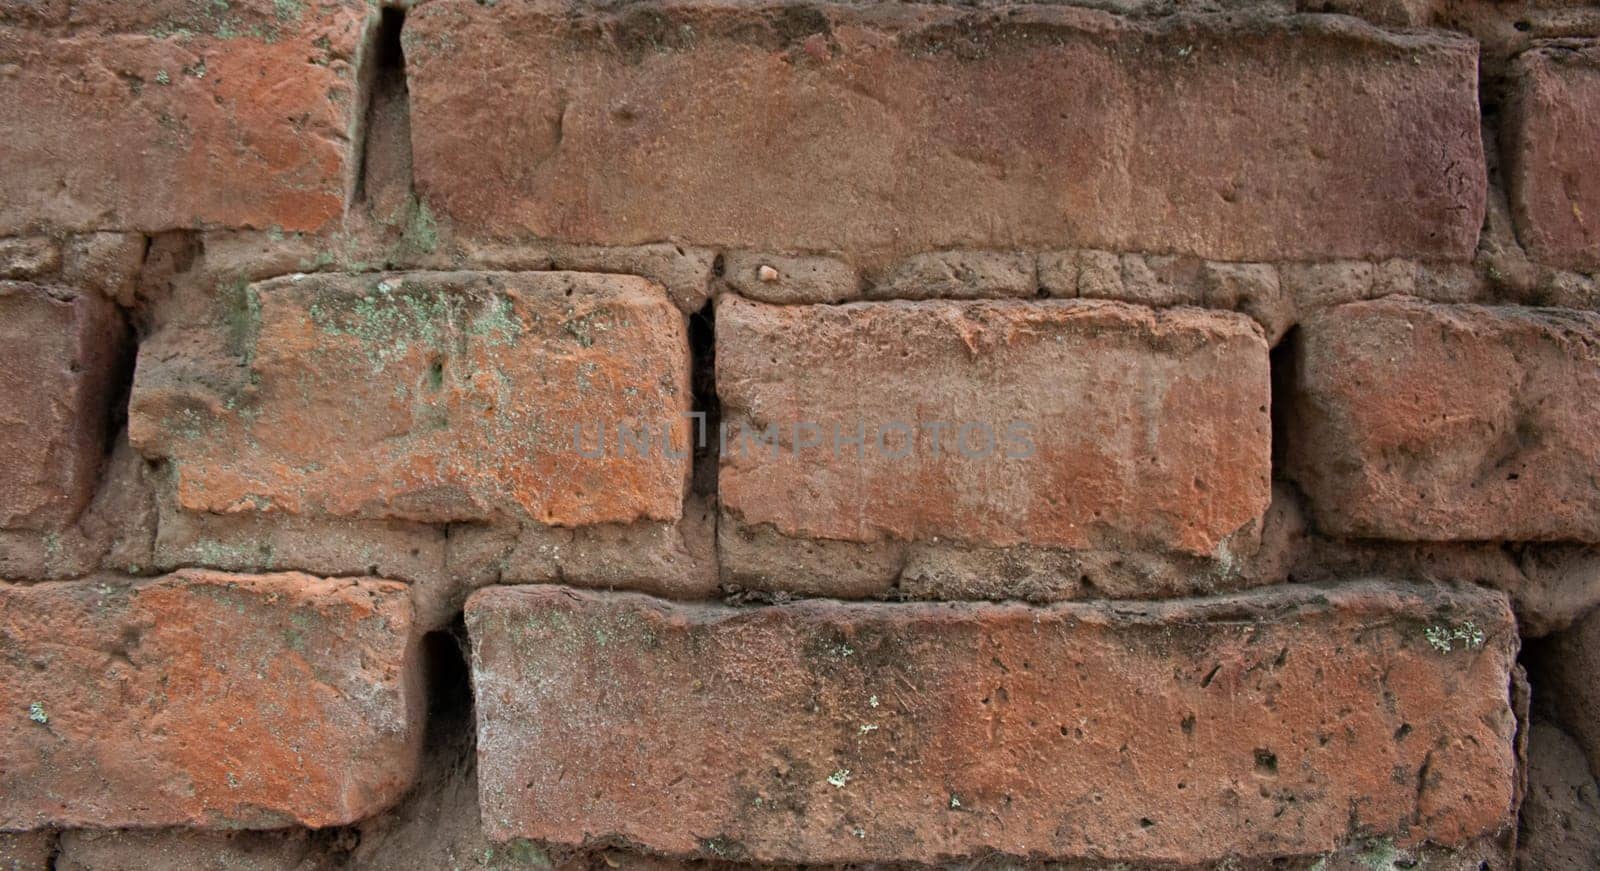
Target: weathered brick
[
  {"x": 28, "y": 256},
  {"x": 1086, "y": 424},
  {"x": 960, "y": 275},
  {"x": 115, "y": 532},
  {"x": 149, "y": 116},
  {"x": 1424, "y": 422},
  {"x": 27, "y": 851},
  {"x": 894, "y": 129},
  {"x": 790, "y": 279},
  {"x": 107, "y": 263},
  {"x": 205, "y": 699},
  {"x": 1552, "y": 146},
  {"x": 60, "y": 364},
  {"x": 426, "y": 396},
  {"x": 1280, "y": 722}
]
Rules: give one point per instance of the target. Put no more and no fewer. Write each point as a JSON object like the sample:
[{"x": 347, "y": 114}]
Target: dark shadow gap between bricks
[
  {"x": 437, "y": 822},
  {"x": 703, "y": 380},
  {"x": 383, "y": 182}
]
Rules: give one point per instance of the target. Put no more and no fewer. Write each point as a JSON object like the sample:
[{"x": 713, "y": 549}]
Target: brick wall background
[{"x": 1183, "y": 435}]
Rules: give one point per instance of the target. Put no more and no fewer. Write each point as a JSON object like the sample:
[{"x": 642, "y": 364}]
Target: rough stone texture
[
  {"x": 166, "y": 114},
  {"x": 391, "y": 549},
  {"x": 28, "y": 256},
  {"x": 60, "y": 361},
  {"x": 887, "y": 131},
  {"x": 205, "y": 699},
  {"x": 960, "y": 275},
  {"x": 115, "y": 533},
  {"x": 1254, "y": 289},
  {"x": 1148, "y": 430},
  {"x": 27, "y": 851},
  {"x": 1417, "y": 421},
  {"x": 790, "y": 279},
  {"x": 685, "y": 271},
  {"x": 429, "y": 397},
  {"x": 1281, "y": 722},
  {"x": 188, "y": 850},
  {"x": 107, "y": 263},
  {"x": 1552, "y": 144},
  {"x": 1550, "y": 585},
  {"x": 674, "y": 560},
  {"x": 761, "y": 564},
  {"x": 257, "y": 543},
  {"x": 1560, "y": 826}
]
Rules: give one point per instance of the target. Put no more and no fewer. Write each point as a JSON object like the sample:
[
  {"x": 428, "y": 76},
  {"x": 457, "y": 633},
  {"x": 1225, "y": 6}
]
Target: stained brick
[
  {"x": 895, "y": 129},
  {"x": 1061, "y": 423},
  {"x": 1419, "y": 421},
  {"x": 205, "y": 699},
  {"x": 27, "y": 851},
  {"x": 427, "y": 396},
  {"x": 150, "y": 116},
  {"x": 60, "y": 365},
  {"x": 1280, "y": 722},
  {"x": 1552, "y": 148}
]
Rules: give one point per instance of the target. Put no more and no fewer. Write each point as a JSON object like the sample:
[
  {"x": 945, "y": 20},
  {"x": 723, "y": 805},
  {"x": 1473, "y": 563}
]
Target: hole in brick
[
  {"x": 703, "y": 378},
  {"x": 1266, "y": 763},
  {"x": 1283, "y": 365},
  {"x": 449, "y": 688},
  {"x": 383, "y": 183}
]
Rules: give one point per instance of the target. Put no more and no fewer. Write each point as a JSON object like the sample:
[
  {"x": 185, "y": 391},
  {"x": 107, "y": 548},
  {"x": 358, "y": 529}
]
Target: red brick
[
  {"x": 27, "y": 851},
  {"x": 1429, "y": 422},
  {"x": 1148, "y": 428},
  {"x": 1278, "y": 722},
  {"x": 1552, "y": 148},
  {"x": 205, "y": 699},
  {"x": 425, "y": 396},
  {"x": 60, "y": 364},
  {"x": 150, "y": 116},
  {"x": 900, "y": 128}
]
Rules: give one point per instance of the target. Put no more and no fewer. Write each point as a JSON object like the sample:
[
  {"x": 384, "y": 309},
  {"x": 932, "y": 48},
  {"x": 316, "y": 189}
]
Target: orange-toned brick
[
  {"x": 427, "y": 396},
  {"x": 890, "y": 129},
  {"x": 1062, "y": 423},
  {"x": 157, "y": 115},
  {"x": 61, "y": 362},
  {"x": 205, "y": 699},
  {"x": 1287, "y": 721}
]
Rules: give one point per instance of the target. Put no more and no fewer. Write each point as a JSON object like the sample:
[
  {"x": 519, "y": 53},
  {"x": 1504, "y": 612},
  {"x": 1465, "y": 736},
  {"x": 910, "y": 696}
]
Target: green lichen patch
[
  {"x": 392, "y": 319},
  {"x": 586, "y": 326},
  {"x": 241, "y": 317},
  {"x": 1444, "y": 638}
]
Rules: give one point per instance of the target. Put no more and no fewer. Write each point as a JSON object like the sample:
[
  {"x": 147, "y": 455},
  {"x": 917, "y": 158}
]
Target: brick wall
[{"x": 461, "y": 434}]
